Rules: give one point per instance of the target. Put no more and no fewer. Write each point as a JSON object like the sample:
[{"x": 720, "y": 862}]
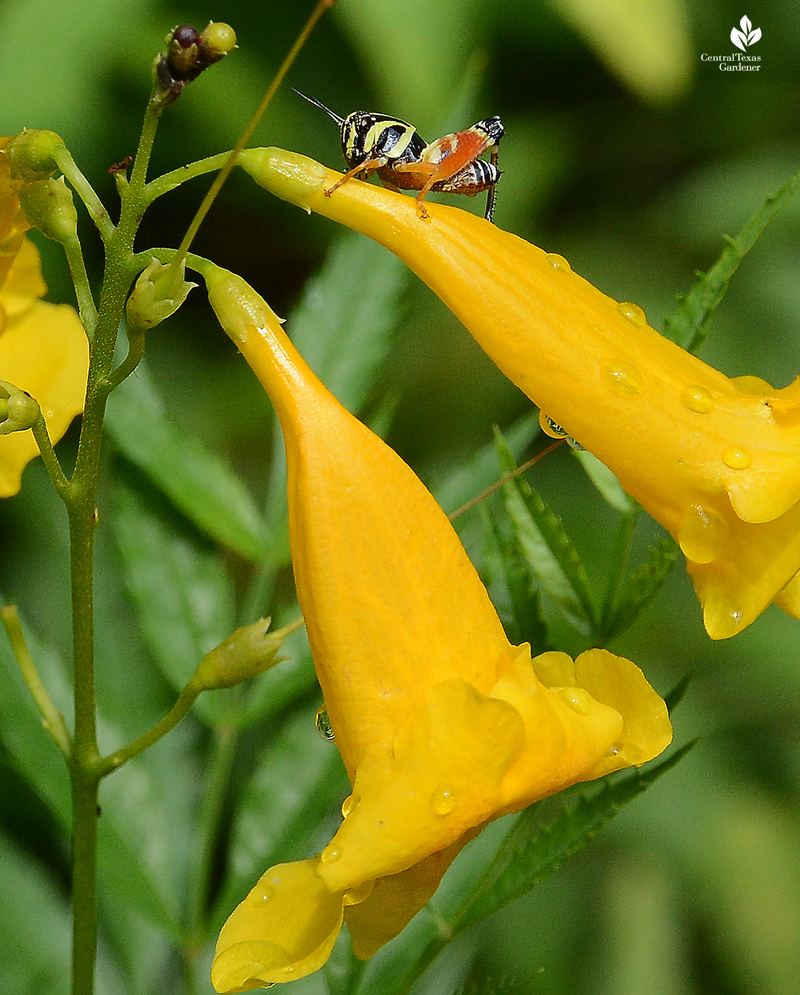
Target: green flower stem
[
  {"x": 87, "y": 767},
  {"x": 49, "y": 458},
  {"x": 86, "y": 192},
  {"x": 52, "y": 719},
  {"x": 80, "y": 280},
  {"x": 181, "y": 707},
  {"x": 136, "y": 344},
  {"x": 171, "y": 181}
]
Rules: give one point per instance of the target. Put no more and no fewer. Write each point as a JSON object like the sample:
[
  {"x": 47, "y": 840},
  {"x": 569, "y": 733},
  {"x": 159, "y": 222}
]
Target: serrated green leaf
[
  {"x": 205, "y": 489},
  {"x": 511, "y": 586},
  {"x": 529, "y": 853},
  {"x": 688, "y": 323},
  {"x": 639, "y": 588},
  {"x": 180, "y": 588},
  {"x": 548, "y": 549}
]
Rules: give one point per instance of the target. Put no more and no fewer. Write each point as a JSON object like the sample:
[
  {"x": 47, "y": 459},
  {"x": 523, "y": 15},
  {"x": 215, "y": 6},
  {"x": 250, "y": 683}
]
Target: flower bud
[
  {"x": 247, "y": 653},
  {"x": 159, "y": 292},
  {"x": 18, "y": 410},
  {"x": 48, "y": 206},
  {"x": 189, "y": 52},
  {"x": 32, "y": 154}
]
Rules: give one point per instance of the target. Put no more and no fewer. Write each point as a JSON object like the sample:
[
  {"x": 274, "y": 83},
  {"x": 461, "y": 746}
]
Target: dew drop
[
  {"x": 267, "y": 893},
  {"x": 736, "y": 459},
  {"x": 623, "y": 377},
  {"x": 702, "y": 534},
  {"x": 443, "y": 801},
  {"x": 697, "y": 398},
  {"x": 614, "y": 750},
  {"x": 330, "y": 854},
  {"x": 289, "y": 969},
  {"x": 351, "y": 802},
  {"x": 577, "y": 699},
  {"x": 633, "y": 313},
  {"x": 552, "y": 428},
  {"x": 575, "y": 445},
  {"x": 723, "y": 617},
  {"x": 558, "y": 262},
  {"x": 323, "y": 725}
]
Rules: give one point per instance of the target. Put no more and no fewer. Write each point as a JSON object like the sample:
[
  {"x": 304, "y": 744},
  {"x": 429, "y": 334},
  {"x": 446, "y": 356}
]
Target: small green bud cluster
[
  {"x": 18, "y": 410},
  {"x": 46, "y": 201},
  {"x": 189, "y": 52}
]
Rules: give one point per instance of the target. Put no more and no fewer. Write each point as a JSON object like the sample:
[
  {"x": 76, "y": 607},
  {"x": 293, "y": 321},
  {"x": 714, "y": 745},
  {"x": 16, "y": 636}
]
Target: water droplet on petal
[
  {"x": 267, "y": 893},
  {"x": 289, "y": 970},
  {"x": 351, "y": 802},
  {"x": 723, "y": 617},
  {"x": 331, "y": 854},
  {"x": 558, "y": 262},
  {"x": 443, "y": 801},
  {"x": 323, "y": 725},
  {"x": 736, "y": 459},
  {"x": 633, "y": 313},
  {"x": 614, "y": 750},
  {"x": 577, "y": 699},
  {"x": 697, "y": 398},
  {"x": 623, "y": 377},
  {"x": 702, "y": 534},
  {"x": 575, "y": 444},
  {"x": 552, "y": 428}
]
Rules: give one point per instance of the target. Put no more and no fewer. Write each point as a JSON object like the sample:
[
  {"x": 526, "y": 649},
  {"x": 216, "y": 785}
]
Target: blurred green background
[{"x": 624, "y": 152}]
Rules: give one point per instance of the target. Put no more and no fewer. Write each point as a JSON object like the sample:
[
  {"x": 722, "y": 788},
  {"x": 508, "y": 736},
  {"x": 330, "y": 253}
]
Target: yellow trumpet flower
[
  {"x": 43, "y": 347},
  {"x": 715, "y": 460},
  {"x": 442, "y": 724}
]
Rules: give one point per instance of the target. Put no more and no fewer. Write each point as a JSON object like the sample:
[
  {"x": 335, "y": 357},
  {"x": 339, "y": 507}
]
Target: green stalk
[{"x": 85, "y": 767}]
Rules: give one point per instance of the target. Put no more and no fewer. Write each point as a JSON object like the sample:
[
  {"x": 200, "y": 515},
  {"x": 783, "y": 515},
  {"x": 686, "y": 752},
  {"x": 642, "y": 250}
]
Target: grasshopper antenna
[{"x": 316, "y": 103}]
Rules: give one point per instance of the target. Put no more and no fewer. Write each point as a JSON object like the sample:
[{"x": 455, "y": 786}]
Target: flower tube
[
  {"x": 715, "y": 460},
  {"x": 43, "y": 347},
  {"x": 442, "y": 724}
]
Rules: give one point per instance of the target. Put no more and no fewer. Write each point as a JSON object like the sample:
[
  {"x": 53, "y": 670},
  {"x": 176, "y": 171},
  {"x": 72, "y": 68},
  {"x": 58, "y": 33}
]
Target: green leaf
[
  {"x": 688, "y": 323},
  {"x": 606, "y": 482},
  {"x": 345, "y": 322},
  {"x": 511, "y": 585},
  {"x": 529, "y": 853},
  {"x": 34, "y": 926},
  {"x": 195, "y": 479},
  {"x": 178, "y": 584},
  {"x": 548, "y": 549},
  {"x": 639, "y": 588}
]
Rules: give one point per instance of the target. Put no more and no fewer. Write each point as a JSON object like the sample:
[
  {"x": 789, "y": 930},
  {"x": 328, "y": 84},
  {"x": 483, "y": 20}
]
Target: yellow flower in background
[
  {"x": 715, "y": 460},
  {"x": 43, "y": 347},
  {"x": 442, "y": 724}
]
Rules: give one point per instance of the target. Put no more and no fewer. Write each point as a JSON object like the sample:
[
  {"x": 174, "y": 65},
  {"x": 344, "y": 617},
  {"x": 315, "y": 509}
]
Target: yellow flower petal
[
  {"x": 442, "y": 724},
  {"x": 45, "y": 353},
  {"x": 370, "y": 589},
  {"x": 284, "y": 930},
  {"x": 715, "y": 460}
]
